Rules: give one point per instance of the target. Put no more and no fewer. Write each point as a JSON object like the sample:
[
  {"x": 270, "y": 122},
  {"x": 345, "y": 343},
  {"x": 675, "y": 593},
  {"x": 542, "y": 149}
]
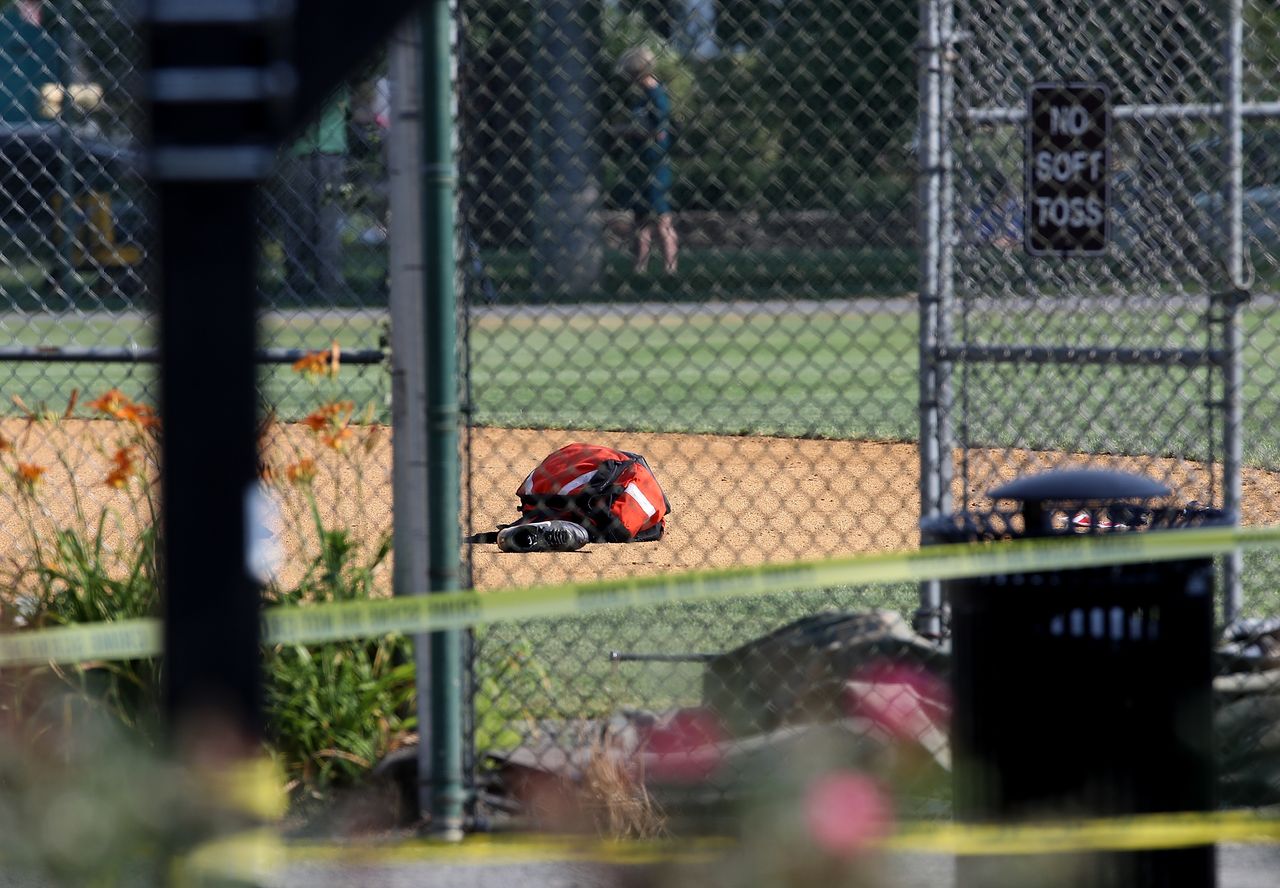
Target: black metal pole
[
  {"x": 217, "y": 86},
  {"x": 208, "y": 397},
  {"x": 226, "y": 80}
]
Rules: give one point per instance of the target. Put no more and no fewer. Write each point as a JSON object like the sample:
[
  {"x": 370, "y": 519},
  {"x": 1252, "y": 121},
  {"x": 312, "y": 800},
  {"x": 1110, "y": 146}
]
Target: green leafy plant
[
  {"x": 337, "y": 708},
  {"x": 82, "y": 571}
]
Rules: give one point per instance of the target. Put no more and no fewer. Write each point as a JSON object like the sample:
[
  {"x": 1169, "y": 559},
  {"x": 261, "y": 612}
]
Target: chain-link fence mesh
[
  {"x": 692, "y": 233},
  {"x": 688, "y": 229},
  {"x": 1151, "y": 290},
  {"x": 77, "y": 234},
  {"x": 692, "y": 237},
  {"x": 324, "y": 283}
]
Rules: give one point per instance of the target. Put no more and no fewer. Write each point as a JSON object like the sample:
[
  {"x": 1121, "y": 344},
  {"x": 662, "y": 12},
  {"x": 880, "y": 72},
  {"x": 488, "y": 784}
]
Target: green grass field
[
  {"x": 292, "y": 396},
  {"x": 828, "y": 374},
  {"x": 739, "y": 274},
  {"x": 824, "y": 374},
  {"x": 844, "y": 376}
]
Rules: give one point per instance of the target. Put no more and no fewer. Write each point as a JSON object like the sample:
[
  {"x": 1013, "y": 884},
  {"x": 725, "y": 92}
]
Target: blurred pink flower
[{"x": 846, "y": 811}]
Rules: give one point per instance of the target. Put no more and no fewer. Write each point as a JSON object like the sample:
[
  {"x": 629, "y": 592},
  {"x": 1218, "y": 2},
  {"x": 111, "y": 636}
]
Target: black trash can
[{"x": 1082, "y": 693}]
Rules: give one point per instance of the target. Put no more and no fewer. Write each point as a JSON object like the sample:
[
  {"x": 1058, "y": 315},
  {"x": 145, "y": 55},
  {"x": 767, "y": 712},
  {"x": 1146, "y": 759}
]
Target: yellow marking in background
[{"x": 311, "y": 624}]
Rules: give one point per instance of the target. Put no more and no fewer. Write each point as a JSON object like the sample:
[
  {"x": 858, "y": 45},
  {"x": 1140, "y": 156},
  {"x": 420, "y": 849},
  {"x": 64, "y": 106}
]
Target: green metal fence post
[{"x": 440, "y": 331}]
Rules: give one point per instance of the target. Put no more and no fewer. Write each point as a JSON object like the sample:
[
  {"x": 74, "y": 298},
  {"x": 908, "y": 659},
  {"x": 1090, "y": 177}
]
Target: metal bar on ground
[{"x": 622, "y": 657}]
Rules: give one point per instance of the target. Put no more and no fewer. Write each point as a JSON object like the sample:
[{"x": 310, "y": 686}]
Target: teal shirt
[
  {"x": 651, "y": 114},
  {"x": 28, "y": 60}
]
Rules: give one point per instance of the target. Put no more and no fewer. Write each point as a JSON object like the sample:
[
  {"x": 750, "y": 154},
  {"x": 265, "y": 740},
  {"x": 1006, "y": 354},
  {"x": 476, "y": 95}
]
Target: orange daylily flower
[
  {"x": 139, "y": 414},
  {"x": 109, "y": 401},
  {"x": 302, "y": 472},
  {"x": 338, "y": 438},
  {"x": 114, "y": 402},
  {"x": 312, "y": 364},
  {"x": 125, "y": 461},
  {"x": 332, "y": 415},
  {"x": 28, "y": 475},
  {"x": 319, "y": 363},
  {"x": 316, "y": 421}
]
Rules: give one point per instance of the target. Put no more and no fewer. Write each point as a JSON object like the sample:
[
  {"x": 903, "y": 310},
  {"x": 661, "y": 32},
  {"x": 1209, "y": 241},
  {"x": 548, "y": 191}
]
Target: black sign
[{"x": 1068, "y": 202}]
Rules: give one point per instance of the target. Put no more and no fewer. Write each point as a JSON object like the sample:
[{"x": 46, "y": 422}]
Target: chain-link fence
[
  {"x": 694, "y": 232},
  {"x": 1127, "y": 353},
  {"x": 692, "y": 237},
  {"x": 75, "y": 267},
  {"x": 776, "y": 248}
]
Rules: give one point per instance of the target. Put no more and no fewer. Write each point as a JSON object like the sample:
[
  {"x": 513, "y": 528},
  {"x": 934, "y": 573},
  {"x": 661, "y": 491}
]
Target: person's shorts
[{"x": 651, "y": 198}]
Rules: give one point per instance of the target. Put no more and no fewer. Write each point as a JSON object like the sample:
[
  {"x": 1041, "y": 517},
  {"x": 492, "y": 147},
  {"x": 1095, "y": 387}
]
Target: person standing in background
[{"x": 648, "y": 172}]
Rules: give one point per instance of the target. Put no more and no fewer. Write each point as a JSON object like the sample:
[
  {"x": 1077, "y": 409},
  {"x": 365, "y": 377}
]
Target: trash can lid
[{"x": 1079, "y": 485}]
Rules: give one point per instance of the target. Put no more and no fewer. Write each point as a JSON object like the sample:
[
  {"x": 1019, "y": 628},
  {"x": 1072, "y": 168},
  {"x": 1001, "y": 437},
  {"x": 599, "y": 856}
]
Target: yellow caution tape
[
  {"x": 310, "y": 624},
  {"x": 253, "y": 856},
  {"x": 118, "y": 640},
  {"x": 1137, "y": 833},
  {"x": 495, "y": 849},
  {"x": 248, "y": 790}
]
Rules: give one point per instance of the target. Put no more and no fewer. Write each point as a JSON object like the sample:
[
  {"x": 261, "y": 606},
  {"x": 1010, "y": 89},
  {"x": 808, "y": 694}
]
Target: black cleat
[{"x": 543, "y": 536}]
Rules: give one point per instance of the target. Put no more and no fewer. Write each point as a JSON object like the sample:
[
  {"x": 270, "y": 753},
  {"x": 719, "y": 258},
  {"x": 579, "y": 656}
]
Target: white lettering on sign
[
  {"x": 1066, "y": 169},
  {"x": 1070, "y": 212},
  {"x": 1063, "y": 166},
  {"x": 1071, "y": 120}
]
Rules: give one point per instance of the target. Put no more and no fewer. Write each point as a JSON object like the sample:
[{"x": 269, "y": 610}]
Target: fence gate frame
[{"x": 941, "y": 351}]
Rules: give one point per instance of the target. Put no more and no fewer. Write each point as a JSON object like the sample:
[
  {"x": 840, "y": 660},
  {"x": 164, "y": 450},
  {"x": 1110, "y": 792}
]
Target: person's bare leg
[
  {"x": 669, "y": 242},
  {"x": 644, "y": 244}
]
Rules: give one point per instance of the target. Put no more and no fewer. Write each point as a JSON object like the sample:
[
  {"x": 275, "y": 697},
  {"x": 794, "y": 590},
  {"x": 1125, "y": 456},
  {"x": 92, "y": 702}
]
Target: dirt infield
[
  {"x": 735, "y": 500},
  {"x": 749, "y": 500}
]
